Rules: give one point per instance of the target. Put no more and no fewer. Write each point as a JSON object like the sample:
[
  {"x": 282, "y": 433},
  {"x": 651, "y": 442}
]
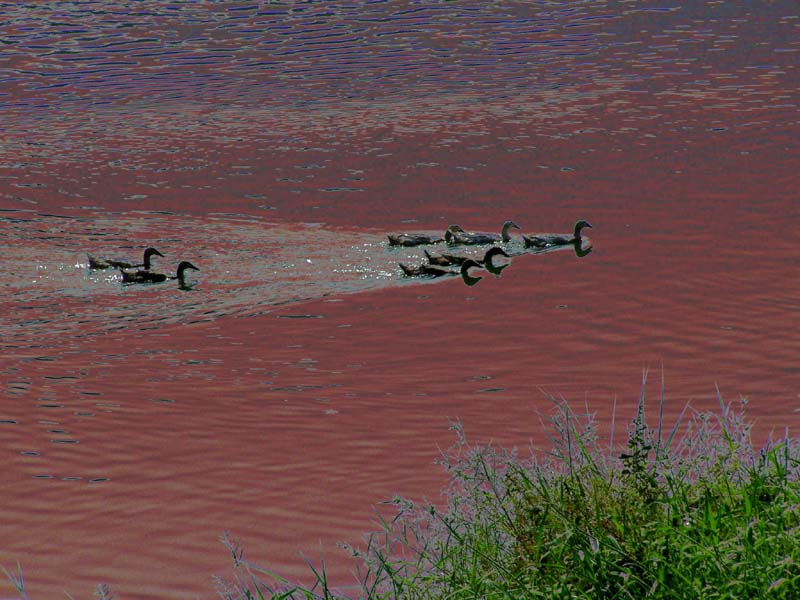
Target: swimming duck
[
  {"x": 107, "y": 263},
  {"x": 445, "y": 260},
  {"x": 459, "y": 236},
  {"x": 155, "y": 277},
  {"x": 425, "y": 269},
  {"x": 419, "y": 239},
  {"x": 542, "y": 240},
  {"x": 413, "y": 239},
  {"x": 437, "y": 271}
]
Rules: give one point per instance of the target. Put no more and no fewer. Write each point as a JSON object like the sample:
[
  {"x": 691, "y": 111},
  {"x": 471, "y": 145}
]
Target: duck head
[
  {"x": 579, "y": 226},
  {"x": 182, "y": 268},
  {"x": 147, "y": 254},
  {"x": 506, "y": 226}
]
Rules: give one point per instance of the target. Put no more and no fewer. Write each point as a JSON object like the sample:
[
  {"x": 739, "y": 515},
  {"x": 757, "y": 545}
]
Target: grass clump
[{"x": 697, "y": 512}]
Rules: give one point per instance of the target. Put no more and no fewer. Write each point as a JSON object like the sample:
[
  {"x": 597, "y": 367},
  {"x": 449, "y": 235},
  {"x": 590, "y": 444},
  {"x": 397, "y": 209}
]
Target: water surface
[{"x": 300, "y": 378}]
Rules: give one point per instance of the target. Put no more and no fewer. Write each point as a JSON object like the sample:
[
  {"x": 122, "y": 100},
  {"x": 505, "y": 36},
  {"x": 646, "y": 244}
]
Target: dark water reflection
[{"x": 301, "y": 378}]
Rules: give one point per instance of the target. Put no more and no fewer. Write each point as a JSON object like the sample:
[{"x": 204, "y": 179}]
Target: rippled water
[
  {"x": 249, "y": 51},
  {"x": 246, "y": 267},
  {"x": 299, "y": 378}
]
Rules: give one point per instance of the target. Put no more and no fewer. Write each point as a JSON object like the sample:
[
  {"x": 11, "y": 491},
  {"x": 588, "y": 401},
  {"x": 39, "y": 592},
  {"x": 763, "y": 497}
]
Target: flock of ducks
[
  {"x": 142, "y": 272},
  {"x": 454, "y": 235},
  {"x": 436, "y": 265}
]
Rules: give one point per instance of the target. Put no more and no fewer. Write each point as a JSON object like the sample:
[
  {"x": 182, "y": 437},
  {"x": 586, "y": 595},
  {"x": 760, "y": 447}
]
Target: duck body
[
  {"x": 458, "y": 236},
  {"x": 107, "y": 263},
  {"x": 413, "y": 239},
  {"x": 446, "y": 260},
  {"x": 425, "y": 269},
  {"x": 142, "y": 276},
  {"x": 437, "y": 271},
  {"x": 474, "y": 239},
  {"x": 96, "y": 263},
  {"x": 544, "y": 240}
]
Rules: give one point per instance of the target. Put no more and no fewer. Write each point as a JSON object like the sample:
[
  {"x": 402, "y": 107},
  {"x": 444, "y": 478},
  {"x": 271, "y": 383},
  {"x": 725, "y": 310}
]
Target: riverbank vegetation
[{"x": 693, "y": 511}]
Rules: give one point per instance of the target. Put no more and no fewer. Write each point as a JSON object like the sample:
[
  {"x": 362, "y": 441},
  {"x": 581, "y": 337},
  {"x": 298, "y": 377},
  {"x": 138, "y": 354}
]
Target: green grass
[{"x": 693, "y": 512}]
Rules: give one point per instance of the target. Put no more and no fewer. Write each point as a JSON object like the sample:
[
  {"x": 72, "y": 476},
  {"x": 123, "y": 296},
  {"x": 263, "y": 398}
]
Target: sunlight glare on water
[{"x": 246, "y": 266}]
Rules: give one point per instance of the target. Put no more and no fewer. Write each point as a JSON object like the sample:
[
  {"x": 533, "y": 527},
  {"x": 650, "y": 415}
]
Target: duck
[
  {"x": 413, "y": 239},
  {"x": 459, "y": 236},
  {"x": 425, "y": 269},
  {"x": 437, "y": 271},
  {"x": 142, "y": 276},
  {"x": 543, "y": 240},
  {"x": 420, "y": 239},
  {"x": 107, "y": 263},
  {"x": 446, "y": 260}
]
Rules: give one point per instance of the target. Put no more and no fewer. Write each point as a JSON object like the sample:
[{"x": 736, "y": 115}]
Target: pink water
[{"x": 301, "y": 380}]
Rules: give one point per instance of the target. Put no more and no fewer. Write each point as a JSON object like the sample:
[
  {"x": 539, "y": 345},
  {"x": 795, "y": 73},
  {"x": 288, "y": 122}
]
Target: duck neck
[{"x": 181, "y": 273}]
